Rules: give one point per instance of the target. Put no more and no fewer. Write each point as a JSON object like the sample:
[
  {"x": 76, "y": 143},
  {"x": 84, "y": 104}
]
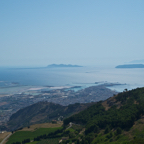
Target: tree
[
  {"x": 107, "y": 130},
  {"x": 119, "y": 131}
]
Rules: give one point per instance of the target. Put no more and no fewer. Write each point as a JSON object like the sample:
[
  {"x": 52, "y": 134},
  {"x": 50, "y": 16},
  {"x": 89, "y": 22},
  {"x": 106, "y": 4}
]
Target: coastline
[
  {"x": 22, "y": 89},
  {"x": 36, "y": 90}
]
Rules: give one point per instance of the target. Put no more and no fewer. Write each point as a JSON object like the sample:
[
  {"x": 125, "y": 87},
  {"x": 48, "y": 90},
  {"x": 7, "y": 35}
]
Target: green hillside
[
  {"x": 117, "y": 120},
  {"x": 124, "y": 110}
]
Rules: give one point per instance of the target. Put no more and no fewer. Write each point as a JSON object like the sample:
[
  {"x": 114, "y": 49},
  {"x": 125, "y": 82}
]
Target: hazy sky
[{"x": 84, "y": 32}]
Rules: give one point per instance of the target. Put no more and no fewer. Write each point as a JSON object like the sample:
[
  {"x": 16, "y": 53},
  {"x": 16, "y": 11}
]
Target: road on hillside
[
  {"x": 6, "y": 138},
  {"x": 70, "y": 125}
]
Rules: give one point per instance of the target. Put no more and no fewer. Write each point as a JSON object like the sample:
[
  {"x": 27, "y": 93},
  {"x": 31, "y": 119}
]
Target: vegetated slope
[
  {"x": 118, "y": 120},
  {"x": 104, "y": 121},
  {"x": 42, "y": 112}
]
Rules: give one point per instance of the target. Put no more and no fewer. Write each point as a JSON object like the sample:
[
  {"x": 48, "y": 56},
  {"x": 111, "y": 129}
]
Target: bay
[{"x": 17, "y": 80}]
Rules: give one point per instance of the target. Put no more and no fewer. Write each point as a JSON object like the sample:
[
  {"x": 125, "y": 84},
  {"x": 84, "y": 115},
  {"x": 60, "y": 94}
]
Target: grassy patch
[
  {"x": 50, "y": 141},
  {"x": 35, "y": 142},
  {"x": 43, "y": 125},
  {"x": 70, "y": 129},
  {"x": 21, "y": 135}
]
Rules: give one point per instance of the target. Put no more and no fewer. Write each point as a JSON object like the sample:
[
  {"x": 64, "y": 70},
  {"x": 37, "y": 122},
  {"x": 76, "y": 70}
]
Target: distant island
[
  {"x": 62, "y": 65},
  {"x": 130, "y": 66},
  {"x": 137, "y": 61}
]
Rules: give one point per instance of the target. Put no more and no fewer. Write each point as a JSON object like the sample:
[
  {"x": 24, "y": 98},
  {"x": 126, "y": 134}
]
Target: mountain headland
[{"x": 130, "y": 66}]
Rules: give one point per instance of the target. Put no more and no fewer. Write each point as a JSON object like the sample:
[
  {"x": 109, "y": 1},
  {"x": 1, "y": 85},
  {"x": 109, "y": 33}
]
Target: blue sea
[{"x": 19, "y": 80}]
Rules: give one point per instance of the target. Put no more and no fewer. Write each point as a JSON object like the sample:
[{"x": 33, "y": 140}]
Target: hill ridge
[{"x": 42, "y": 112}]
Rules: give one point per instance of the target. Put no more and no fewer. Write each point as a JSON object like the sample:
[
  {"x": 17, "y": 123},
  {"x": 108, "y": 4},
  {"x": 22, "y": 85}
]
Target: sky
[{"x": 82, "y": 32}]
